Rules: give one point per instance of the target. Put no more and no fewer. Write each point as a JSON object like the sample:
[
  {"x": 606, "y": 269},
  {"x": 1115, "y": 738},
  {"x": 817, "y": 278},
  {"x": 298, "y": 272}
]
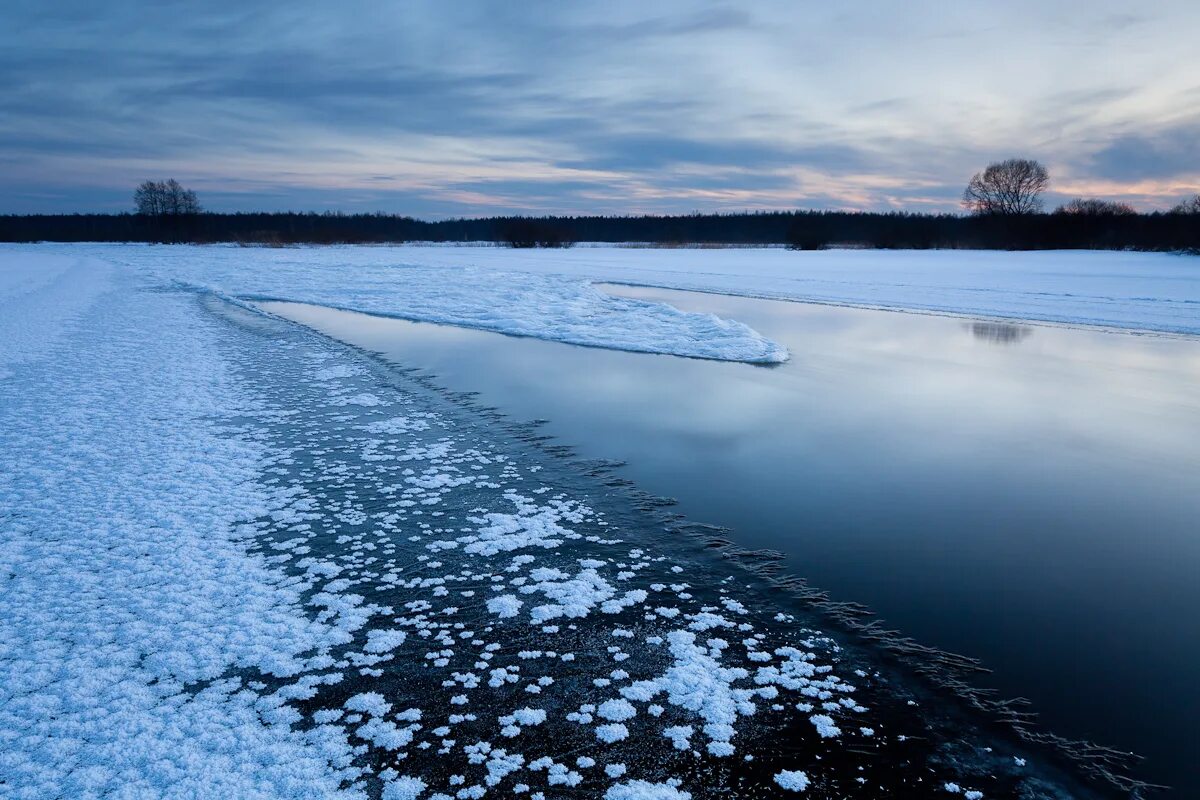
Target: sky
[{"x": 440, "y": 109}]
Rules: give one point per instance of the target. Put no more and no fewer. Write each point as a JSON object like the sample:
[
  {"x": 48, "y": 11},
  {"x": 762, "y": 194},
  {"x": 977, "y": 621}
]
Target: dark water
[{"x": 1026, "y": 495}]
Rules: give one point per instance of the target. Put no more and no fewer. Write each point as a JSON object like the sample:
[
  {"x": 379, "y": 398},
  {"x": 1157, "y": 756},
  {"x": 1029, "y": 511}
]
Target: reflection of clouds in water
[
  {"x": 999, "y": 332},
  {"x": 889, "y": 382}
]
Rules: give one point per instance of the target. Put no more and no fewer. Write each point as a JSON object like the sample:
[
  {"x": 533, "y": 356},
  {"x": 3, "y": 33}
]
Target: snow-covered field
[
  {"x": 240, "y": 560},
  {"x": 549, "y": 293}
]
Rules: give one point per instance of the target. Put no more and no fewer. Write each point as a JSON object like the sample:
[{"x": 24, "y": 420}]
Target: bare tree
[
  {"x": 1014, "y": 186},
  {"x": 1095, "y": 208},
  {"x": 1188, "y": 206},
  {"x": 148, "y": 199},
  {"x": 165, "y": 199}
]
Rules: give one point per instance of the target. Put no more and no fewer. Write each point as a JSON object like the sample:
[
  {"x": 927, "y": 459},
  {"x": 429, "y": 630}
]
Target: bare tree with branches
[
  {"x": 1013, "y": 186},
  {"x": 1095, "y": 208},
  {"x": 1188, "y": 206},
  {"x": 165, "y": 199}
]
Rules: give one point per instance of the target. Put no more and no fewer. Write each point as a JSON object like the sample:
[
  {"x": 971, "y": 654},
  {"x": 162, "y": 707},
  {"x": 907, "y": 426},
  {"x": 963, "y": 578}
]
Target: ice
[
  {"x": 383, "y": 641},
  {"x": 794, "y": 780},
  {"x": 616, "y": 710},
  {"x": 612, "y": 733},
  {"x": 824, "y": 725},
  {"x": 126, "y": 573},
  {"x": 1131, "y": 290},
  {"x": 537, "y": 304},
  {"x": 239, "y": 560},
  {"x": 680, "y": 736},
  {"x": 549, "y": 294},
  {"x": 40, "y": 293},
  {"x": 505, "y": 606},
  {"x": 642, "y": 790},
  {"x": 405, "y": 788},
  {"x": 529, "y": 716}
]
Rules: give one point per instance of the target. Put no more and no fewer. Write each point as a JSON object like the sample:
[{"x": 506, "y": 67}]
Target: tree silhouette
[
  {"x": 522, "y": 232},
  {"x": 1189, "y": 206},
  {"x": 165, "y": 199},
  {"x": 1095, "y": 208},
  {"x": 1008, "y": 187}
]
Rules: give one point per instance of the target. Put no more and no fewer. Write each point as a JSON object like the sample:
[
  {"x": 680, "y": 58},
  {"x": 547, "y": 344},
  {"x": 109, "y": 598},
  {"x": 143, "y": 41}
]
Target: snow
[
  {"x": 794, "y": 780},
  {"x": 550, "y": 294},
  {"x": 125, "y": 575},
  {"x": 643, "y": 790},
  {"x": 824, "y": 725},
  {"x": 1130, "y": 290},
  {"x": 576, "y": 595},
  {"x": 680, "y": 736},
  {"x": 370, "y": 703},
  {"x": 405, "y": 788},
  {"x": 40, "y": 294},
  {"x": 547, "y": 306},
  {"x": 698, "y": 683},
  {"x": 529, "y": 716},
  {"x": 505, "y": 606},
  {"x": 383, "y": 641},
  {"x": 616, "y": 710},
  {"x": 612, "y": 733}
]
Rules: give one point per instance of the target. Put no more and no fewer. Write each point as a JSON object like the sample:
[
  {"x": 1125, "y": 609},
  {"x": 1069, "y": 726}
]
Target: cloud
[
  {"x": 637, "y": 152},
  {"x": 429, "y": 107},
  {"x": 1156, "y": 154}
]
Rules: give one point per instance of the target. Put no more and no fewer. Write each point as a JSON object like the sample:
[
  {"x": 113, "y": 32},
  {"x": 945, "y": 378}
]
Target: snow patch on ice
[
  {"x": 793, "y": 780},
  {"x": 643, "y": 790}
]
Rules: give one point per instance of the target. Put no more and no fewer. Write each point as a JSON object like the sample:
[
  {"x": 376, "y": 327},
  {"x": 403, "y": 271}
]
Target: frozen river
[
  {"x": 241, "y": 558},
  {"x": 1024, "y": 494}
]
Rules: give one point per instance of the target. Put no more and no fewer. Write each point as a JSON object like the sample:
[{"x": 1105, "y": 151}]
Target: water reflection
[
  {"x": 1033, "y": 506},
  {"x": 999, "y": 332}
]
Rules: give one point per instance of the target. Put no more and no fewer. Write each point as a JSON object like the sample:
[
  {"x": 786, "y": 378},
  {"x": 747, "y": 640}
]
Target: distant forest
[{"x": 805, "y": 230}]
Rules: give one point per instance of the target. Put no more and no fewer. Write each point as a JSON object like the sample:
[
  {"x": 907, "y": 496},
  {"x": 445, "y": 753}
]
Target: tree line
[
  {"x": 802, "y": 230},
  {"x": 1004, "y": 201}
]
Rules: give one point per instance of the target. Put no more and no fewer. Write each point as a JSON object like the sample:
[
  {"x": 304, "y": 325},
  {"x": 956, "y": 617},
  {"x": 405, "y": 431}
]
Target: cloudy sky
[{"x": 473, "y": 108}]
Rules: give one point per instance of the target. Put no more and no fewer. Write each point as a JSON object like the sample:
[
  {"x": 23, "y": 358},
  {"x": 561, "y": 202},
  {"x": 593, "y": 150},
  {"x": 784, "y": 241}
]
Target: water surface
[{"x": 1028, "y": 495}]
